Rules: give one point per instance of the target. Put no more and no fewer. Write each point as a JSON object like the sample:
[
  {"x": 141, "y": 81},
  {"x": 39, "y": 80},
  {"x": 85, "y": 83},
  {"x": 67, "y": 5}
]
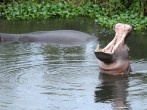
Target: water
[{"x": 56, "y": 77}]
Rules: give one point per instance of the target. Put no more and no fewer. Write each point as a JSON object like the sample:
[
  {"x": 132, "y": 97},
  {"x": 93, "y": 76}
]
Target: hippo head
[
  {"x": 122, "y": 32},
  {"x": 114, "y": 56}
]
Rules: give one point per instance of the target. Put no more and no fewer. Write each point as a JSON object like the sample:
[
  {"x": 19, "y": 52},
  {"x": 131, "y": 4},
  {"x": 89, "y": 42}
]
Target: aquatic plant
[{"x": 102, "y": 14}]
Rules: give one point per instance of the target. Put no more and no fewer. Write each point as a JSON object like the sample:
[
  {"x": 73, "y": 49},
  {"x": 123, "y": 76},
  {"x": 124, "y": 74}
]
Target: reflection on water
[
  {"x": 57, "y": 77},
  {"x": 113, "y": 90}
]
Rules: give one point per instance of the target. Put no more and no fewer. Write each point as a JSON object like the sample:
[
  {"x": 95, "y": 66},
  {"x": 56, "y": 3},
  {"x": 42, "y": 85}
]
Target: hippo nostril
[{"x": 117, "y": 26}]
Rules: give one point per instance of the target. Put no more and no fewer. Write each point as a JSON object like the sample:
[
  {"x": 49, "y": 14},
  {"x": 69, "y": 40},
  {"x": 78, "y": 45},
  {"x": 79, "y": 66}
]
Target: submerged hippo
[
  {"x": 70, "y": 37},
  {"x": 114, "y": 58}
]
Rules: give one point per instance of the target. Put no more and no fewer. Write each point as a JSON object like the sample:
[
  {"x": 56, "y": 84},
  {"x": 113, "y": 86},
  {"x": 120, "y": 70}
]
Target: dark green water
[{"x": 56, "y": 77}]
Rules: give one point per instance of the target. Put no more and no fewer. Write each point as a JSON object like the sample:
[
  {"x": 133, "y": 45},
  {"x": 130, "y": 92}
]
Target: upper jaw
[{"x": 122, "y": 30}]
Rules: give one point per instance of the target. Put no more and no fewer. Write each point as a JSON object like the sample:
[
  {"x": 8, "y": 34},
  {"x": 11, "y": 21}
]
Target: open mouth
[{"x": 106, "y": 54}]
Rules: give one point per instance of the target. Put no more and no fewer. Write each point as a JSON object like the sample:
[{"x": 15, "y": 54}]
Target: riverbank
[{"x": 45, "y": 10}]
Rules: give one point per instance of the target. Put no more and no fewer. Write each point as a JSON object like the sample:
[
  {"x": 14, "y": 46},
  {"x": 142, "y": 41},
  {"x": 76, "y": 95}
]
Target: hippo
[
  {"x": 114, "y": 58},
  {"x": 69, "y": 37}
]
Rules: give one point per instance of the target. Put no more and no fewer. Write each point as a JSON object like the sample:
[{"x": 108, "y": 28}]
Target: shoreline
[{"x": 46, "y": 10}]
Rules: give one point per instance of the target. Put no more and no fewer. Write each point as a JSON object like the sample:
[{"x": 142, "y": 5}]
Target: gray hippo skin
[
  {"x": 55, "y": 37},
  {"x": 114, "y": 58}
]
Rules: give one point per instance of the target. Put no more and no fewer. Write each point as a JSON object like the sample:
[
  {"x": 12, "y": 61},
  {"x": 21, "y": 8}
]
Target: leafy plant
[{"x": 106, "y": 13}]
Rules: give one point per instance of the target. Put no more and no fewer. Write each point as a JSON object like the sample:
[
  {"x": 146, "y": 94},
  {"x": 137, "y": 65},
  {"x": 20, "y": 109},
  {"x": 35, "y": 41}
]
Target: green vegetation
[{"x": 104, "y": 12}]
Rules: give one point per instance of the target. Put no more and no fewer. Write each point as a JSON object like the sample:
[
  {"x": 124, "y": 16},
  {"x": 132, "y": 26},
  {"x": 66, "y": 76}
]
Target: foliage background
[{"x": 104, "y": 12}]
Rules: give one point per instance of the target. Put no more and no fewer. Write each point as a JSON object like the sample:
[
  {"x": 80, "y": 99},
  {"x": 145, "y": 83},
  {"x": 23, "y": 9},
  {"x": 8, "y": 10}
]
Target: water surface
[{"x": 57, "y": 77}]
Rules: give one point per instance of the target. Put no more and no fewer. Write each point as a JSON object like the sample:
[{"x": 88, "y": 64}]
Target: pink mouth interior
[{"x": 121, "y": 31}]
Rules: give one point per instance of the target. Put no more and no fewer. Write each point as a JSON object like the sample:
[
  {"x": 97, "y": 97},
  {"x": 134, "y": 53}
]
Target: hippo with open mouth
[{"x": 114, "y": 58}]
